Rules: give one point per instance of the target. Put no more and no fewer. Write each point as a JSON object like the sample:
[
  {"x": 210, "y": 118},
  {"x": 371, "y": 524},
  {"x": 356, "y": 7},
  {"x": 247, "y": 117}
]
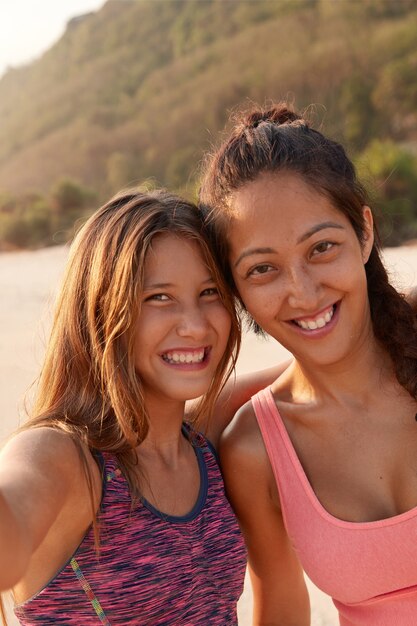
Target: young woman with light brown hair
[{"x": 112, "y": 508}]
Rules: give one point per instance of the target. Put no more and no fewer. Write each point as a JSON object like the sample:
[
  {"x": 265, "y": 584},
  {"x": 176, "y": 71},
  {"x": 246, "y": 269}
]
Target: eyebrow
[
  {"x": 306, "y": 235},
  {"x": 252, "y": 251},
  {"x": 153, "y": 286},
  {"x": 156, "y": 286},
  {"x": 317, "y": 228}
]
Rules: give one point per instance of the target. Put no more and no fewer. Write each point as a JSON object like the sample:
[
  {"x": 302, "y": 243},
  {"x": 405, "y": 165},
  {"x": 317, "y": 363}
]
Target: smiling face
[
  {"x": 299, "y": 267},
  {"x": 183, "y": 327}
]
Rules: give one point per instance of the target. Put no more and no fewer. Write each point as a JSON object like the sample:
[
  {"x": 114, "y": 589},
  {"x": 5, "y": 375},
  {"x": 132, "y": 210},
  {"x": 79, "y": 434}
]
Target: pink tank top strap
[
  {"x": 281, "y": 453},
  {"x": 298, "y": 501}
]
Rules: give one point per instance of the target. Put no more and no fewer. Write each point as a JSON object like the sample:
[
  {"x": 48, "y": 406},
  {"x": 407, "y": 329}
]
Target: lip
[
  {"x": 187, "y": 366},
  {"x": 317, "y": 333},
  {"x": 307, "y": 318}
]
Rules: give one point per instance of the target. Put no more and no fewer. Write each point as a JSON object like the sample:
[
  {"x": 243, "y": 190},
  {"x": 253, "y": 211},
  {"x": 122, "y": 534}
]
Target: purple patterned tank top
[{"x": 153, "y": 569}]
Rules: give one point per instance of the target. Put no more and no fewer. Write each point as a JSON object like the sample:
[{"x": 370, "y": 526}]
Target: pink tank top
[{"x": 368, "y": 568}]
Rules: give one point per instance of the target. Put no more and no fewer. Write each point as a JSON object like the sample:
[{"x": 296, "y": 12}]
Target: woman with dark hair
[
  {"x": 112, "y": 508},
  {"x": 321, "y": 466}
]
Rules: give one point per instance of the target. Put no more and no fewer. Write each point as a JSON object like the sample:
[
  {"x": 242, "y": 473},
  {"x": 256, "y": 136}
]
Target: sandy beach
[{"x": 28, "y": 282}]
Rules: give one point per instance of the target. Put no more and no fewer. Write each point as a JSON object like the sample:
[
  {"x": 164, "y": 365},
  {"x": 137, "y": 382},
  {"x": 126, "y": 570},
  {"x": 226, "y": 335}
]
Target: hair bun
[{"x": 278, "y": 114}]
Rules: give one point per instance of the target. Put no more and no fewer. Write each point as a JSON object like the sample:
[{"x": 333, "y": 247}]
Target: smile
[
  {"x": 185, "y": 356},
  {"x": 320, "y": 321}
]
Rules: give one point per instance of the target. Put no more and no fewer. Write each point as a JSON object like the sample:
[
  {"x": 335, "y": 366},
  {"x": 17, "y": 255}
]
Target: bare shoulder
[
  {"x": 242, "y": 450},
  {"x": 237, "y": 391},
  {"x": 46, "y": 503},
  {"x": 46, "y": 454},
  {"x": 44, "y": 441},
  {"x": 280, "y": 595},
  {"x": 243, "y": 432},
  {"x": 43, "y": 444}
]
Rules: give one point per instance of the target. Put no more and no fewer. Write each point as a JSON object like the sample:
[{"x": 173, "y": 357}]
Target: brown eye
[
  {"x": 323, "y": 246},
  {"x": 259, "y": 269},
  {"x": 159, "y": 297},
  {"x": 210, "y": 291}
]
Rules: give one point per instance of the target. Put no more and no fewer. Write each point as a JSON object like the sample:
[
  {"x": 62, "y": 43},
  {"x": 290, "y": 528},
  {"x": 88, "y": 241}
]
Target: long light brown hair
[{"x": 88, "y": 385}]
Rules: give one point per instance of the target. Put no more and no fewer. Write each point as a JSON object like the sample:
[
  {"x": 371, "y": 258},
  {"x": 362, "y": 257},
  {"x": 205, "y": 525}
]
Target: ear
[{"x": 368, "y": 236}]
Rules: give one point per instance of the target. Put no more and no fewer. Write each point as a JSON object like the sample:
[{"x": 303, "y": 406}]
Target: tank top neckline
[
  {"x": 198, "y": 443},
  {"x": 202, "y": 492},
  {"x": 388, "y": 521}
]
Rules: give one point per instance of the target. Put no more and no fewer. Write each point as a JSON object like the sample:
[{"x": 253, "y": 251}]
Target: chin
[{"x": 189, "y": 394}]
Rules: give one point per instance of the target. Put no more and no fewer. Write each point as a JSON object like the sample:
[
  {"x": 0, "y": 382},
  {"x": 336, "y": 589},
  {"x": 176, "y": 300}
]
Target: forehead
[
  {"x": 281, "y": 204},
  {"x": 170, "y": 252},
  {"x": 281, "y": 191}
]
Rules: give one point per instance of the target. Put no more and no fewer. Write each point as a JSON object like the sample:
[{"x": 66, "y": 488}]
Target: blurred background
[
  {"x": 138, "y": 89},
  {"x": 96, "y": 96}
]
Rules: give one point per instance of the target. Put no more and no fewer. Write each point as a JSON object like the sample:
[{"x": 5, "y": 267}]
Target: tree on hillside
[
  {"x": 390, "y": 172},
  {"x": 69, "y": 201}
]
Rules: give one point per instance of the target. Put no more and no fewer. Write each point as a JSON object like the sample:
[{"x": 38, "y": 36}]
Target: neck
[
  {"x": 354, "y": 378},
  {"x": 164, "y": 438}
]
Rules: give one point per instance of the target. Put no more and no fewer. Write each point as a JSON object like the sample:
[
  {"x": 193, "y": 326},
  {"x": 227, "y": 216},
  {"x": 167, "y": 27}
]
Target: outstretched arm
[
  {"x": 40, "y": 473},
  {"x": 280, "y": 593}
]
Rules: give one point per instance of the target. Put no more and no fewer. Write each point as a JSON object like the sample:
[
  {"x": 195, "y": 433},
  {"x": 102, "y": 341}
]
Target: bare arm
[
  {"x": 280, "y": 593},
  {"x": 235, "y": 393},
  {"x": 40, "y": 473}
]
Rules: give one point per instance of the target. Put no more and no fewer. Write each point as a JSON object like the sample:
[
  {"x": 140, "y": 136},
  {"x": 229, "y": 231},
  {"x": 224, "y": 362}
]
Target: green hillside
[{"x": 141, "y": 88}]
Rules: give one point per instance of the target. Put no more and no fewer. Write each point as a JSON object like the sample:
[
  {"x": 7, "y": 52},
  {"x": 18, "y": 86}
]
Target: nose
[
  {"x": 302, "y": 288},
  {"x": 193, "y": 323}
]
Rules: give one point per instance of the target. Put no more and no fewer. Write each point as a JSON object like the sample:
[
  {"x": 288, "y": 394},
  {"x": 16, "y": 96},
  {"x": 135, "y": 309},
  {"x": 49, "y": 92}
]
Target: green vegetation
[
  {"x": 32, "y": 220},
  {"x": 391, "y": 174},
  {"x": 140, "y": 89}
]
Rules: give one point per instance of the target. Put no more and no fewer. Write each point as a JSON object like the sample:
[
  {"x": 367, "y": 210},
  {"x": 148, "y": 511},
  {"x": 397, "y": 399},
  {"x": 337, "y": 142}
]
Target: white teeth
[
  {"x": 184, "y": 357},
  {"x": 319, "y": 322}
]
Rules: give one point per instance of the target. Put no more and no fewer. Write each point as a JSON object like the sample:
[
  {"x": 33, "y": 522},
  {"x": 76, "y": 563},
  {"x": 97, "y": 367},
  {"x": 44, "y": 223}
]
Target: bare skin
[
  {"x": 279, "y": 591},
  {"x": 36, "y": 540},
  {"x": 43, "y": 538},
  {"x": 237, "y": 391},
  {"x": 358, "y": 448},
  {"x": 45, "y": 508}
]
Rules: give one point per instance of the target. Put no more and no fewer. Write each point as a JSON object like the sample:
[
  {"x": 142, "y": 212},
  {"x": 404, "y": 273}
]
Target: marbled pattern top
[{"x": 152, "y": 569}]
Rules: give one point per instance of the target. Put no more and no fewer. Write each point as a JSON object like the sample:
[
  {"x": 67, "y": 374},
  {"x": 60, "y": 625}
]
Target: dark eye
[
  {"x": 321, "y": 247},
  {"x": 159, "y": 297},
  {"x": 210, "y": 291},
  {"x": 260, "y": 269}
]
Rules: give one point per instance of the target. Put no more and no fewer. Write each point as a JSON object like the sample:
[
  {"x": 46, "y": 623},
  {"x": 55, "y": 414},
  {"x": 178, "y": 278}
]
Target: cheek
[
  {"x": 257, "y": 299},
  {"x": 262, "y": 308},
  {"x": 242, "y": 287},
  {"x": 222, "y": 322},
  {"x": 352, "y": 273},
  {"x": 149, "y": 329},
  {"x": 361, "y": 287}
]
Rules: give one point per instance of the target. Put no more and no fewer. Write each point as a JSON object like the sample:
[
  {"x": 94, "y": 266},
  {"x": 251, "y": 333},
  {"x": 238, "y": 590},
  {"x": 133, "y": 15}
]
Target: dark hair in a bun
[
  {"x": 274, "y": 115},
  {"x": 278, "y": 139}
]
